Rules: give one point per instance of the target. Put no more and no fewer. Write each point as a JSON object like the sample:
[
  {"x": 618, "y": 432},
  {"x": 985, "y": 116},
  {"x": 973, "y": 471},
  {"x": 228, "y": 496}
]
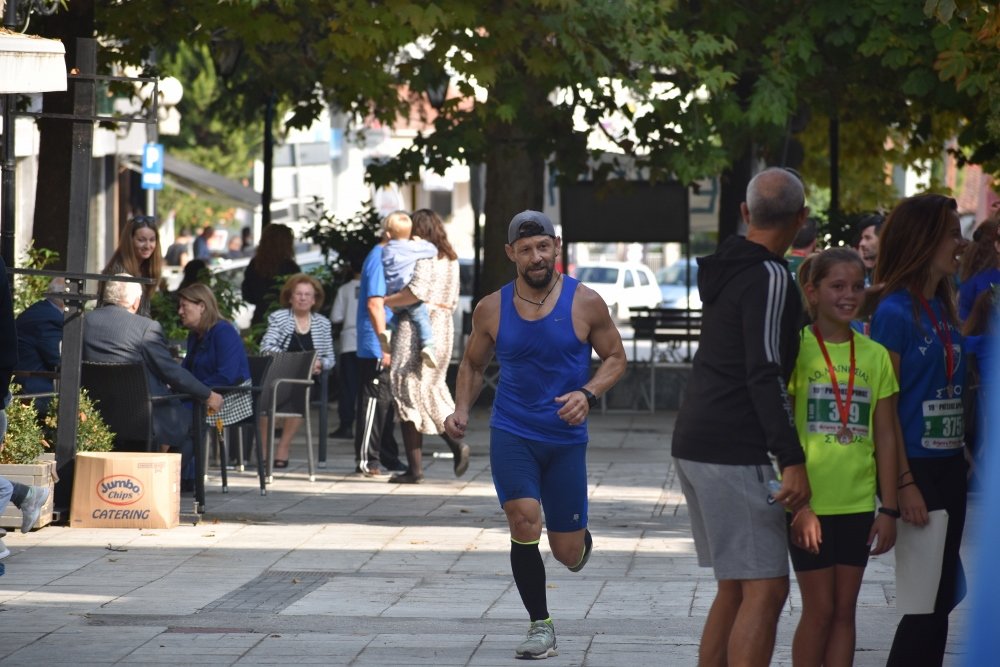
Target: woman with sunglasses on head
[
  {"x": 915, "y": 320},
  {"x": 138, "y": 254}
]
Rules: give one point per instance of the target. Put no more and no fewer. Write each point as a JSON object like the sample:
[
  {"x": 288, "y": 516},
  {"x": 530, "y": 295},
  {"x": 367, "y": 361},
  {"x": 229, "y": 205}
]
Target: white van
[{"x": 623, "y": 285}]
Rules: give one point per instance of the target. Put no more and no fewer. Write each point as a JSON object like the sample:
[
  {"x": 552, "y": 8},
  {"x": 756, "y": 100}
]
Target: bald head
[{"x": 775, "y": 199}]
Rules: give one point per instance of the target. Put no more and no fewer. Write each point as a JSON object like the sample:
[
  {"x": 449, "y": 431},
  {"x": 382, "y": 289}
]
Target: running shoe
[
  {"x": 4, "y": 551},
  {"x": 31, "y": 506},
  {"x": 541, "y": 641}
]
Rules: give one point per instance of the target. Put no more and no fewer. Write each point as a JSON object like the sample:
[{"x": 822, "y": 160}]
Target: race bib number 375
[{"x": 944, "y": 426}]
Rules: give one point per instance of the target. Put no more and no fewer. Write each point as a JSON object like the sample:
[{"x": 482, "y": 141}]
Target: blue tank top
[{"x": 539, "y": 360}]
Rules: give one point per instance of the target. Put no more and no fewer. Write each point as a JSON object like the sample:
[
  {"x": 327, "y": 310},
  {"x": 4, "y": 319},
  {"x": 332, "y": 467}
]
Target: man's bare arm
[
  {"x": 478, "y": 353},
  {"x": 592, "y": 315},
  {"x": 607, "y": 343}
]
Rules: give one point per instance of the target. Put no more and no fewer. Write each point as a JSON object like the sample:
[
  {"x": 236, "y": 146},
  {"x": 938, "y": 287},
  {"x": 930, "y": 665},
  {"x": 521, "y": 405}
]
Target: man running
[{"x": 542, "y": 327}]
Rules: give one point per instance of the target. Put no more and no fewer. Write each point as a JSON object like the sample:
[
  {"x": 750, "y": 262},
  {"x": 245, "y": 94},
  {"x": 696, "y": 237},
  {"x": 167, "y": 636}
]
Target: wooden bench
[
  {"x": 671, "y": 332},
  {"x": 675, "y": 329}
]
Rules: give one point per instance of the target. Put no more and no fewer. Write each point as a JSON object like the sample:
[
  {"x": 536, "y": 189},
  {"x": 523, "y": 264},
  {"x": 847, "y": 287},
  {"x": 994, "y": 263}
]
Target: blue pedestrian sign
[{"x": 152, "y": 167}]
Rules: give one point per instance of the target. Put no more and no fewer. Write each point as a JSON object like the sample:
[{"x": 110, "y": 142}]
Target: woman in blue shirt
[
  {"x": 980, "y": 265},
  {"x": 215, "y": 351},
  {"x": 915, "y": 320}
]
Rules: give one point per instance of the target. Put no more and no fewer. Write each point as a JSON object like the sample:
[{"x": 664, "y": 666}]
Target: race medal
[{"x": 845, "y": 435}]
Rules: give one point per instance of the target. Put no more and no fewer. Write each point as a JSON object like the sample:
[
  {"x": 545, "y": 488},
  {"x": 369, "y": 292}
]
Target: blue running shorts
[{"x": 554, "y": 475}]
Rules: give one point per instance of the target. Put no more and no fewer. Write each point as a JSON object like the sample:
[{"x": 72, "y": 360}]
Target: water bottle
[{"x": 773, "y": 486}]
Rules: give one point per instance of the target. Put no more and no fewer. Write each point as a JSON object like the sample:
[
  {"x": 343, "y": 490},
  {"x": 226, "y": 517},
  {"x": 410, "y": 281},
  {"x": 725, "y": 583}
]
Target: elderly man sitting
[
  {"x": 39, "y": 336},
  {"x": 114, "y": 333}
]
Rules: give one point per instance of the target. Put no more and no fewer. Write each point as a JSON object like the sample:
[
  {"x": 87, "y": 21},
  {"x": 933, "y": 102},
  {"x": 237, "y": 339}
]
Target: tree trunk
[
  {"x": 732, "y": 193},
  {"x": 514, "y": 182},
  {"x": 51, "y": 218}
]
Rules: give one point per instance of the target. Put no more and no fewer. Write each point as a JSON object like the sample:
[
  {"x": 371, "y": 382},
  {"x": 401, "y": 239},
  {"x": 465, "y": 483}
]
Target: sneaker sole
[{"x": 550, "y": 653}]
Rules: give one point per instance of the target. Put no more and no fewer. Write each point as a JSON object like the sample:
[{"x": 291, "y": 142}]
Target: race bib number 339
[
  {"x": 822, "y": 415},
  {"x": 944, "y": 426}
]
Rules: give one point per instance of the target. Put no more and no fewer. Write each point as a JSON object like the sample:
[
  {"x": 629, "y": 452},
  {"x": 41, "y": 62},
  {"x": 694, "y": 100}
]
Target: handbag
[{"x": 237, "y": 405}]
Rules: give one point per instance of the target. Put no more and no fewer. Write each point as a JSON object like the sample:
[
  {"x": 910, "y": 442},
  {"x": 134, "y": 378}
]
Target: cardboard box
[
  {"x": 40, "y": 473},
  {"x": 126, "y": 490}
]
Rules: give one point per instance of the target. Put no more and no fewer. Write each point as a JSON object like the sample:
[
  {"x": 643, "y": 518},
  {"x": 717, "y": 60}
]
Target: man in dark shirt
[
  {"x": 39, "y": 339},
  {"x": 735, "y": 413}
]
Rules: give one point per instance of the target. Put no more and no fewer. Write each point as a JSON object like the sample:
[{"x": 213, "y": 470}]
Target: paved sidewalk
[{"x": 354, "y": 571}]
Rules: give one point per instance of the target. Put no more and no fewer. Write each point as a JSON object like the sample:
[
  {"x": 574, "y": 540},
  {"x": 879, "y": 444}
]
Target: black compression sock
[{"x": 529, "y": 575}]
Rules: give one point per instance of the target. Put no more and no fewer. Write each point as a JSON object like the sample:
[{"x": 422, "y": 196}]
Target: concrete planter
[{"x": 40, "y": 473}]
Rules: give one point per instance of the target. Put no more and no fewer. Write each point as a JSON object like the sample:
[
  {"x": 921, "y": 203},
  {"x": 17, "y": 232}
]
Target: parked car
[
  {"x": 623, "y": 285},
  {"x": 675, "y": 290}
]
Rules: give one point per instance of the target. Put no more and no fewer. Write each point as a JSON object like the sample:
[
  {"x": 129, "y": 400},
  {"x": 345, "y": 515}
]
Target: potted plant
[
  {"x": 24, "y": 459},
  {"x": 27, "y": 456}
]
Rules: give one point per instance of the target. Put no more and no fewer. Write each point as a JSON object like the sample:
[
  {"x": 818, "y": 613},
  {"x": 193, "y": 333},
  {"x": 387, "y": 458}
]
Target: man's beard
[{"x": 538, "y": 284}]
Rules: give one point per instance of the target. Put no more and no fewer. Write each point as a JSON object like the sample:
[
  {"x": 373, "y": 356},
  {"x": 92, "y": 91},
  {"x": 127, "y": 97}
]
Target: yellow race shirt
[{"x": 842, "y": 477}]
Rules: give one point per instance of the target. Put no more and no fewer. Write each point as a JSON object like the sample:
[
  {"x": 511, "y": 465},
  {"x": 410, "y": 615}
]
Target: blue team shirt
[
  {"x": 539, "y": 360},
  {"x": 372, "y": 284},
  {"x": 969, "y": 290},
  {"x": 931, "y": 419}
]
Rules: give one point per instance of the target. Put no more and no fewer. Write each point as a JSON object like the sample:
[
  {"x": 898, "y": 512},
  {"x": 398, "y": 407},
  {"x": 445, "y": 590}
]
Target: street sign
[{"x": 152, "y": 167}]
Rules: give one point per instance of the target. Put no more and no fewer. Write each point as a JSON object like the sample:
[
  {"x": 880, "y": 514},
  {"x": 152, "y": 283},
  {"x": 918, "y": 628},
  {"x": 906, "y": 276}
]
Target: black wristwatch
[
  {"x": 591, "y": 399},
  {"x": 888, "y": 511}
]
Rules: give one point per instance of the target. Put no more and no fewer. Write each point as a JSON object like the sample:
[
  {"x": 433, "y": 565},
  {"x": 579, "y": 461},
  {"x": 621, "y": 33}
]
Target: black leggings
[{"x": 921, "y": 638}]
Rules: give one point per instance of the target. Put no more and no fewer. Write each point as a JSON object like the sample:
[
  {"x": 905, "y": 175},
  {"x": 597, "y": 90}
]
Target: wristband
[
  {"x": 888, "y": 511},
  {"x": 903, "y": 486},
  {"x": 591, "y": 399},
  {"x": 904, "y": 474}
]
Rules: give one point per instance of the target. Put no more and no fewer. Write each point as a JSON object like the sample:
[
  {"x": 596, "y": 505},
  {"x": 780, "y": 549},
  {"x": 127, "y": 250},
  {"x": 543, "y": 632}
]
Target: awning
[
  {"x": 31, "y": 64},
  {"x": 190, "y": 177}
]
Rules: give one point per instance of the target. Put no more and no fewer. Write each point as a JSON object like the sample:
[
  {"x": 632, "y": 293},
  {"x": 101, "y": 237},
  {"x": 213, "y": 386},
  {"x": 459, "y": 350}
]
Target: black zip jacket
[{"x": 736, "y": 408}]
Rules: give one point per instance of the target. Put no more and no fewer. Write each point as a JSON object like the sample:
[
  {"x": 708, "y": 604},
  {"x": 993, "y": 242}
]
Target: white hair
[
  {"x": 774, "y": 197},
  {"x": 122, "y": 293}
]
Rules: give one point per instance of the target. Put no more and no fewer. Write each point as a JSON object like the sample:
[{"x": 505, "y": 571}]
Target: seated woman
[
  {"x": 297, "y": 328},
  {"x": 215, "y": 351}
]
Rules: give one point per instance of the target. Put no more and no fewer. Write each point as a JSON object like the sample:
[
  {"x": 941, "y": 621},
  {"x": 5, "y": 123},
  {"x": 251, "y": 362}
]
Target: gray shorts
[{"x": 736, "y": 532}]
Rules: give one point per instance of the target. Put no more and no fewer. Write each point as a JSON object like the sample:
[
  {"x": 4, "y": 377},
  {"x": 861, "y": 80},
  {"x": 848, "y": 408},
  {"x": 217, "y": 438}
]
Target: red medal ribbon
[
  {"x": 843, "y": 406},
  {"x": 944, "y": 334}
]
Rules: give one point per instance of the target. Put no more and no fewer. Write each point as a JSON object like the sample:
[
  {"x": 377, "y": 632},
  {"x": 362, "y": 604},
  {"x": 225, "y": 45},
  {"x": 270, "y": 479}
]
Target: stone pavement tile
[
  {"x": 453, "y": 596},
  {"x": 565, "y": 602},
  {"x": 307, "y": 648},
  {"x": 352, "y": 596},
  {"x": 10, "y": 641},
  {"x": 194, "y": 648},
  {"x": 85, "y": 645},
  {"x": 422, "y": 649},
  {"x": 656, "y": 599},
  {"x": 631, "y": 651}
]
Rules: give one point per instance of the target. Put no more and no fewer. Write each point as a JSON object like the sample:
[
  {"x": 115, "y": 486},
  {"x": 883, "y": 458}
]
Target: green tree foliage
[
  {"x": 29, "y": 289},
  {"x": 684, "y": 89},
  {"x": 207, "y": 137}
]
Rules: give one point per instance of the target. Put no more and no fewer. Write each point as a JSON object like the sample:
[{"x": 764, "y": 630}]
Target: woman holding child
[{"x": 418, "y": 387}]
